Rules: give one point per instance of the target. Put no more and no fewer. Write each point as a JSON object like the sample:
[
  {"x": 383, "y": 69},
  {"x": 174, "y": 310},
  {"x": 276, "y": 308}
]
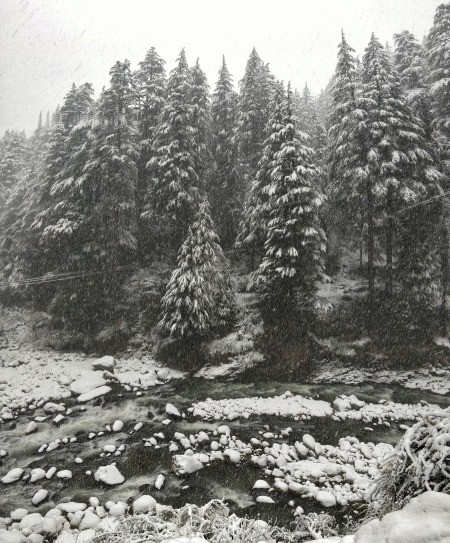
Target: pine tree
[
  {"x": 347, "y": 214},
  {"x": 437, "y": 54},
  {"x": 253, "y": 228},
  {"x": 151, "y": 83},
  {"x": 398, "y": 167},
  {"x": 437, "y": 47},
  {"x": 188, "y": 305},
  {"x": 225, "y": 188},
  {"x": 411, "y": 67},
  {"x": 12, "y": 161},
  {"x": 295, "y": 241},
  {"x": 175, "y": 187},
  {"x": 201, "y": 122},
  {"x": 255, "y": 95},
  {"x": 77, "y": 102}
]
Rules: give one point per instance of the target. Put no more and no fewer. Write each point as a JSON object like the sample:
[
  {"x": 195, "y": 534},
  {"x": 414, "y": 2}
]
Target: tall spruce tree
[
  {"x": 151, "y": 85},
  {"x": 253, "y": 227},
  {"x": 226, "y": 190},
  {"x": 295, "y": 242},
  {"x": 198, "y": 295},
  {"x": 410, "y": 63},
  {"x": 201, "y": 122},
  {"x": 347, "y": 213},
  {"x": 437, "y": 54},
  {"x": 175, "y": 188},
  {"x": 398, "y": 167},
  {"x": 256, "y": 88},
  {"x": 437, "y": 47},
  {"x": 13, "y": 156}
]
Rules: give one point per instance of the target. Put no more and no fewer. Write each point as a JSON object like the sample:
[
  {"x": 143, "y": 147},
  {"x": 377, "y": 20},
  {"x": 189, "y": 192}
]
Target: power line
[{"x": 60, "y": 277}]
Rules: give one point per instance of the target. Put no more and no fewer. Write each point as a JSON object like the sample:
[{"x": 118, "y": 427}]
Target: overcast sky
[{"x": 46, "y": 45}]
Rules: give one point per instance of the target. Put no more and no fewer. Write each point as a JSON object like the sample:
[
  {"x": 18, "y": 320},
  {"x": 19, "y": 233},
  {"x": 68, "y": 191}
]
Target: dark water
[{"x": 141, "y": 465}]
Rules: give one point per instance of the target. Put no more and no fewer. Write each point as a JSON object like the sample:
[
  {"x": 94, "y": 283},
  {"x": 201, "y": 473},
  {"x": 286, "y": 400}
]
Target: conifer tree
[
  {"x": 12, "y": 161},
  {"x": 255, "y": 95},
  {"x": 346, "y": 211},
  {"x": 437, "y": 47},
  {"x": 151, "y": 86},
  {"x": 295, "y": 241},
  {"x": 437, "y": 54},
  {"x": 411, "y": 66},
  {"x": 253, "y": 228},
  {"x": 226, "y": 189},
  {"x": 189, "y": 308},
  {"x": 175, "y": 191},
  {"x": 398, "y": 167},
  {"x": 201, "y": 122}
]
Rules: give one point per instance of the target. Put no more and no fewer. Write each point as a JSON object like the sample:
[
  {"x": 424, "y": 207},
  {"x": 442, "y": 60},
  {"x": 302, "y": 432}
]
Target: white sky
[{"x": 46, "y": 45}]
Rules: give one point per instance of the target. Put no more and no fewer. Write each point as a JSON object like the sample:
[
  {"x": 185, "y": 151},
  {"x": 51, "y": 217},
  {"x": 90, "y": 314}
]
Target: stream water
[{"x": 141, "y": 465}]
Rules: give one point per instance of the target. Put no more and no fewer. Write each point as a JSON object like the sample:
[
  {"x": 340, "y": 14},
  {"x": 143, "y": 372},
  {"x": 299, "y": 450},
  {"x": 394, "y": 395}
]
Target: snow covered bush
[
  {"x": 420, "y": 462},
  {"x": 212, "y": 523}
]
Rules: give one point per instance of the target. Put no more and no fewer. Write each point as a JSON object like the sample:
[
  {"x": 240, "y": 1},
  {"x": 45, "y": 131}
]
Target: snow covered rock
[
  {"x": 86, "y": 384},
  {"x": 32, "y": 427},
  {"x": 184, "y": 464},
  {"x": 144, "y": 504},
  {"x": 109, "y": 475},
  {"x": 12, "y": 476},
  {"x": 39, "y": 496},
  {"x": 104, "y": 363},
  {"x": 260, "y": 484},
  {"x": 100, "y": 391},
  {"x": 18, "y": 514},
  {"x": 89, "y": 520},
  {"x": 12, "y": 536},
  {"x": 51, "y": 408},
  {"x": 425, "y": 519},
  {"x": 37, "y": 474},
  {"x": 233, "y": 455},
  {"x": 159, "y": 483},
  {"x": 264, "y": 499},
  {"x": 325, "y": 498},
  {"x": 72, "y": 507},
  {"x": 172, "y": 410},
  {"x": 64, "y": 474},
  {"x": 117, "y": 426}
]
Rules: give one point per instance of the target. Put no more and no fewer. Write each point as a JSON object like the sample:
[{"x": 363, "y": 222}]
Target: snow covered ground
[{"x": 35, "y": 377}]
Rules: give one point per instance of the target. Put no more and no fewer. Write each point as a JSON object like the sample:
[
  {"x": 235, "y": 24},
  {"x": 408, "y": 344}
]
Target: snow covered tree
[
  {"x": 189, "y": 308},
  {"x": 90, "y": 226},
  {"x": 398, "y": 168},
  {"x": 175, "y": 187},
  {"x": 76, "y": 103},
  {"x": 253, "y": 227},
  {"x": 13, "y": 155},
  {"x": 226, "y": 190},
  {"x": 410, "y": 63},
  {"x": 201, "y": 122},
  {"x": 254, "y": 100},
  {"x": 151, "y": 85},
  {"x": 295, "y": 242},
  {"x": 437, "y": 47},
  {"x": 346, "y": 218},
  {"x": 437, "y": 54}
]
